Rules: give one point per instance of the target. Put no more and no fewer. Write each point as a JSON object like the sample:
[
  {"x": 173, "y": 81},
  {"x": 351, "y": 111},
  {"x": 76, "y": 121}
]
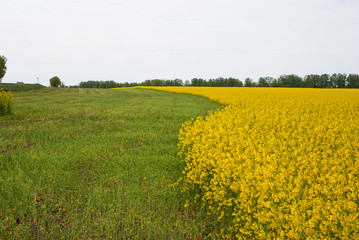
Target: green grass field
[{"x": 96, "y": 164}]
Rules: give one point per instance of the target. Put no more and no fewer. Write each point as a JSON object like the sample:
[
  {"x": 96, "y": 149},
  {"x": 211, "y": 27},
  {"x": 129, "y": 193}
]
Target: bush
[{"x": 6, "y": 99}]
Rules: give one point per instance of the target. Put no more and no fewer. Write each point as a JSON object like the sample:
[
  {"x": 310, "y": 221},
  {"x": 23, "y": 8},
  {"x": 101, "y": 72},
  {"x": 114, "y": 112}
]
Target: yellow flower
[
  {"x": 6, "y": 100},
  {"x": 275, "y": 162}
]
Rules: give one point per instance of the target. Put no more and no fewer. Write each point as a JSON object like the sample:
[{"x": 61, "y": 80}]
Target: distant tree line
[
  {"x": 218, "y": 82},
  {"x": 160, "y": 82},
  {"x": 337, "y": 80},
  {"x": 103, "y": 84}
]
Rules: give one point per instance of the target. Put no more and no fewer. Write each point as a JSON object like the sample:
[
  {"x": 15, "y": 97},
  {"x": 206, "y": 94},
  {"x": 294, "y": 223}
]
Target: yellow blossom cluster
[
  {"x": 276, "y": 163},
  {"x": 6, "y": 99}
]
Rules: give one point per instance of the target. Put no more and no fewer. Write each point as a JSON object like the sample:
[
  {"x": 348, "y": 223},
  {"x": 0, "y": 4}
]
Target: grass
[
  {"x": 96, "y": 164},
  {"x": 21, "y": 87}
]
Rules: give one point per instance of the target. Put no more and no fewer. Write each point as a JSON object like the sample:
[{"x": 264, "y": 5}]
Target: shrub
[{"x": 6, "y": 99}]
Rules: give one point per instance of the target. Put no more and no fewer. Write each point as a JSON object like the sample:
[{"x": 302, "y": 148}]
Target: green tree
[
  {"x": 275, "y": 83},
  {"x": 55, "y": 81},
  {"x": 147, "y": 83},
  {"x": 353, "y": 81},
  {"x": 291, "y": 80},
  {"x": 234, "y": 82},
  {"x": 265, "y": 81},
  {"x": 337, "y": 80},
  {"x": 2, "y": 67},
  {"x": 178, "y": 82},
  {"x": 248, "y": 82},
  {"x": 323, "y": 81},
  {"x": 197, "y": 82},
  {"x": 311, "y": 81}
]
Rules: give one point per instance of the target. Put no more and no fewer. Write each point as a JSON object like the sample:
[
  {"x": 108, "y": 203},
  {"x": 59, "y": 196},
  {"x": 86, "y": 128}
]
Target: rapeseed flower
[
  {"x": 275, "y": 163},
  {"x": 6, "y": 100}
]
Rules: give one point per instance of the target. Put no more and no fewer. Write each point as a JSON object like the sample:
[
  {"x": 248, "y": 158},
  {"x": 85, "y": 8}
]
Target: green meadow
[{"x": 96, "y": 164}]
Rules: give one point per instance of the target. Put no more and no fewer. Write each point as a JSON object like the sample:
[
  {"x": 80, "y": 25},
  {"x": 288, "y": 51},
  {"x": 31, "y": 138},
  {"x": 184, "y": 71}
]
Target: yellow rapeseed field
[
  {"x": 275, "y": 163},
  {"x": 6, "y": 99}
]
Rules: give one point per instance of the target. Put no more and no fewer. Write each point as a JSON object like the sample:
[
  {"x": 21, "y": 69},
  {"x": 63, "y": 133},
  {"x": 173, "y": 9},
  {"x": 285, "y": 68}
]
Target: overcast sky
[{"x": 135, "y": 40}]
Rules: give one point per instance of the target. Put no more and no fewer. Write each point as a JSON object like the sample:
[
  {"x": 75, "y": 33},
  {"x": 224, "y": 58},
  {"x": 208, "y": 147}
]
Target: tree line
[
  {"x": 337, "y": 80},
  {"x": 104, "y": 84}
]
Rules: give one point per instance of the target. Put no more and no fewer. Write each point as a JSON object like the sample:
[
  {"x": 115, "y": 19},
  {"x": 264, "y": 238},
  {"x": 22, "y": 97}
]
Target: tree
[
  {"x": 178, "y": 82},
  {"x": 291, "y": 80},
  {"x": 353, "y": 81},
  {"x": 55, "y": 81},
  {"x": 234, "y": 82},
  {"x": 240, "y": 83},
  {"x": 248, "y": 82},
  {"x": 311, "y": 81},
  {"x": 265, "y": 81},
  {"x": 275, "y": 83},
  {"x": 197, "y": 82},
  {"x": 323, "y": 81},
  {"x": 2, "y": 67},
  {"x": 337, "y": 80}
]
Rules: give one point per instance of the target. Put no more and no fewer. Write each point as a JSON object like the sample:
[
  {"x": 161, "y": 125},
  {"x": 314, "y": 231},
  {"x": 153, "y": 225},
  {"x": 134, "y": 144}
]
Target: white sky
[{"x": 135, "y": 40}]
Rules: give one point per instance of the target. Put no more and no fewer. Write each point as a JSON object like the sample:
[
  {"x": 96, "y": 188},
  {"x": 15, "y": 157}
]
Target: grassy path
[{"x": 79, "y": 163}]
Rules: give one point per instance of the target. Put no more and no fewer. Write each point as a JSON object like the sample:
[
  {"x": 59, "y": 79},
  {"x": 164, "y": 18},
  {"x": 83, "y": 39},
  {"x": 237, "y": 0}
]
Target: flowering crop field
[{"x": 275, "y": 163}]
